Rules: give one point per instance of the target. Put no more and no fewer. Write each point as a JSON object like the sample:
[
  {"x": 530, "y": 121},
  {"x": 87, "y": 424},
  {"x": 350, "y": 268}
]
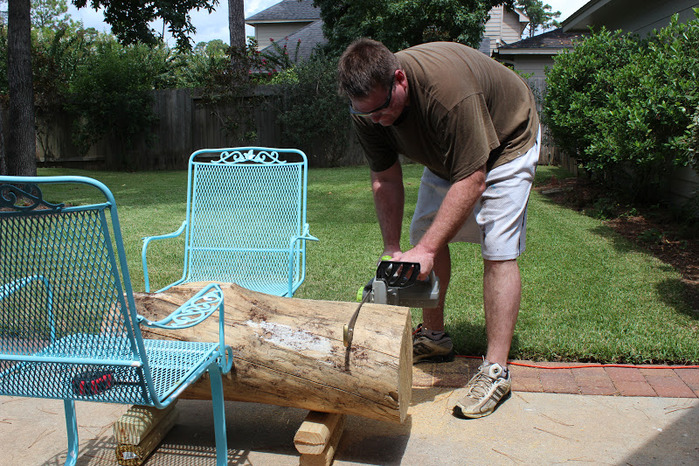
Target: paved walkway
[
  {"x": 562, "y": 414},
  {"x": 572, "y": 378}
]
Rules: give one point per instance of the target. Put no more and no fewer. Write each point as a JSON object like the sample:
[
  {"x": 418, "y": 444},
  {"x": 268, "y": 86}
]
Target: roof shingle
[{"x": 287, "y": 10}]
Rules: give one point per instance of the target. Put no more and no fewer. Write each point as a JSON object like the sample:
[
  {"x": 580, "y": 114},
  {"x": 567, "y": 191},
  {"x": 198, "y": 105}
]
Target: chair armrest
[
  {"x": 305, "y": 235},
  {"x": 146, "y": 242},
  {"x": 195, "y": 311},
  {"x": 8, "y": 288}
]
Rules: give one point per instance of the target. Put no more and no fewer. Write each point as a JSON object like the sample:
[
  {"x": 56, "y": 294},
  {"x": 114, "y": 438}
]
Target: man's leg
[
  {"x": 433, "y": 318},
  {"x": 502, "y": 290},
  {"x": 430, "y": 342},
  {"x": 501, "y": 296}
]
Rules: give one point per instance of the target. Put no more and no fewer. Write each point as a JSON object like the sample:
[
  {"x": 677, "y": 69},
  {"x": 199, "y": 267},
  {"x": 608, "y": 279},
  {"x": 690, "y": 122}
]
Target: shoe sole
[
  {"x": 439, "y": 358},
  {"x": 458, "y": 409}
]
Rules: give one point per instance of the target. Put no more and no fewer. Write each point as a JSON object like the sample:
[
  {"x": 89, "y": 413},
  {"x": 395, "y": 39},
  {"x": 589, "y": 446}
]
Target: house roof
[
  {"x": 628, "y": 15},
  {"x": 286, "y": 11},
  {"x": 307, "y": 37},
  {"x": 547, "y": 43}
]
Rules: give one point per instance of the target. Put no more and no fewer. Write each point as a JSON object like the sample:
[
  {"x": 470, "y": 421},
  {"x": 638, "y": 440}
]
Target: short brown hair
[{"x": 365, "y": 64}]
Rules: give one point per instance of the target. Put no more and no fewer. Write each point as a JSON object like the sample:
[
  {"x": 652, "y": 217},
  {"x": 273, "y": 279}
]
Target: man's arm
[
  {"x": 389, "y": 199},
  {"x": 455, "y": 209}
]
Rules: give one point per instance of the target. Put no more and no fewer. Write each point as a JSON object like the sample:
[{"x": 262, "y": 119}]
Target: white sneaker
[{"x": 484, "y": 391}]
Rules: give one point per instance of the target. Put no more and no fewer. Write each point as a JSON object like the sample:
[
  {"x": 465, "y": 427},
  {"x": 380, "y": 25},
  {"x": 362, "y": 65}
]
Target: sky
[{"x": 214, "y": 25}]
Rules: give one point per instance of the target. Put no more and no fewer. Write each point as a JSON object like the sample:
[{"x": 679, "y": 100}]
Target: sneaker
[
  {"x": 431, "y": 346},
  {"x": 484, "y": 391}
]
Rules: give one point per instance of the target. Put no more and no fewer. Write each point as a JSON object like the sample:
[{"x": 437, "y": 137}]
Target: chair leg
[
  {"x": 72, "y": 430},
  {"x": 219, "y": 414}
]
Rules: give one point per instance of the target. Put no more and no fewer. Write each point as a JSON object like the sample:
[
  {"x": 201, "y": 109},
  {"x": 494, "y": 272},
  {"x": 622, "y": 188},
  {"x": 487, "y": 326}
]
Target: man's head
[{"x": 370, "y": 75}]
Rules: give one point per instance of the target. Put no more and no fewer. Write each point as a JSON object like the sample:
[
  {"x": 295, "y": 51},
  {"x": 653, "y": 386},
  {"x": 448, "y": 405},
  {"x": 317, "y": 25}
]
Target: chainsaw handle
[{"x": 398, "y": 274}]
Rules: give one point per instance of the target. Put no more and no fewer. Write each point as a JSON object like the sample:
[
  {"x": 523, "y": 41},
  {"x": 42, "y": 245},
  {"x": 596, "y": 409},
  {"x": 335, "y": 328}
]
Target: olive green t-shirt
[{"x": 465, "y": 110}]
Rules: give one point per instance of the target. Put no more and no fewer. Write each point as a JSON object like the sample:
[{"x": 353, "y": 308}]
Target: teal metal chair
[
  {"x": 68, "y": 323},
  {"x": 245, "y": 221}
]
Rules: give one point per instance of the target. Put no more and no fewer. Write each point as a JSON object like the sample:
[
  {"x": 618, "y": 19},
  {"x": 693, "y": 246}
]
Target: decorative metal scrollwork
[
  {"x": 192, "y": 313},
  {"x": 251, "y": 156},
  {"x": 24, "y": 198}
]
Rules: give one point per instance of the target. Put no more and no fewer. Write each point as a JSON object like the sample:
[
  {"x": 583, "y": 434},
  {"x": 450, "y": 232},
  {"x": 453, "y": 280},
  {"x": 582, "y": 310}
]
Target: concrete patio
[{"x": 571, "y": 413}]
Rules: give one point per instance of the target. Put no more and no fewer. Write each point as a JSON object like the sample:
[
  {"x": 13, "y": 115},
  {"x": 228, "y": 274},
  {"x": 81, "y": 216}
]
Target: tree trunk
[
  {"x": 21, "y": 140},
  {"x": 290, "y": 352},
  {"x": 3, "y": 167},
  {"x": 236, "y": 30}
]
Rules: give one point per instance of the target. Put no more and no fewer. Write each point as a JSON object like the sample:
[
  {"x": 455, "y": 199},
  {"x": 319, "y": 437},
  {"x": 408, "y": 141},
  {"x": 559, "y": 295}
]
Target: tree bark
[
  {"x": 3, "y": 167},
  {"x": 290, "y": 352},
  {"x": 236, "y": 30},
  {"x": 21, "y": 140}
]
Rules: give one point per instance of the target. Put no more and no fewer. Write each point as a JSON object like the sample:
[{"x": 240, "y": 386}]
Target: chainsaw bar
[{"x": 398, "y": 274}]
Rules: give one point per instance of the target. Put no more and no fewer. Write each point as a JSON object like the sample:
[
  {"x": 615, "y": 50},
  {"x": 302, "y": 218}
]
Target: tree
[
  {"x": 130, "y": 24},
  {"x": 236, "y": 29},
  {"x": 540, "y": 16},
  {"x": 130, "y": 21},
  {"x": 403, "y": 23},
  {"x": 51, "y": 15},
  {"x": 21, "y": 141}
]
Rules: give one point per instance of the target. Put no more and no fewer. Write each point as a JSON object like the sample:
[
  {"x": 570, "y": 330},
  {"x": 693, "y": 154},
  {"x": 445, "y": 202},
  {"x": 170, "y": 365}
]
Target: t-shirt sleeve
[
  {"x": 469, "y": 137},
  {"x": 374, "y": 140}
]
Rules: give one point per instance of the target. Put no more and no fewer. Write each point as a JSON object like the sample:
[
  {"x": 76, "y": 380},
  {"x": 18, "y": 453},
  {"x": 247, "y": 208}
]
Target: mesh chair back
[
  {"x": 246, "y": 214},
  {"x": 64, "y": 321}
]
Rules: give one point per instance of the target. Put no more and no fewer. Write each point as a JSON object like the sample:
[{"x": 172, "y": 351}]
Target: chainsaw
[{"x": 396, "y": 284}]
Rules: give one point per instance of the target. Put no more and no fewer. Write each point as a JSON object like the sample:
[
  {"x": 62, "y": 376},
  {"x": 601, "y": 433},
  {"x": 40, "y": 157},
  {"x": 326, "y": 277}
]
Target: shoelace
[{"x": 481, "y": 385}]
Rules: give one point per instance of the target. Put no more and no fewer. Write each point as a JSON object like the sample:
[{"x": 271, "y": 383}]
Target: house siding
[
  {"x": 503, "y": 27},
  {"x": 276, "y": 31}
]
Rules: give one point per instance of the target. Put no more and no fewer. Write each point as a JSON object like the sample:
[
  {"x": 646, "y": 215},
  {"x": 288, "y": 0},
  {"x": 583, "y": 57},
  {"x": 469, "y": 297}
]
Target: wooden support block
[
  {"x": 316, "y": 431},
  {"x": 140, "y": 430},
  {"x": 137, "y": 422},
  {"x": 318, "y": 437}
]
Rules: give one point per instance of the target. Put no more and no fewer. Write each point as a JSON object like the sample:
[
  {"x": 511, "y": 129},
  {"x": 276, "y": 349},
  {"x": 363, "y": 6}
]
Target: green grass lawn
[{"x": 588, "y": 294}]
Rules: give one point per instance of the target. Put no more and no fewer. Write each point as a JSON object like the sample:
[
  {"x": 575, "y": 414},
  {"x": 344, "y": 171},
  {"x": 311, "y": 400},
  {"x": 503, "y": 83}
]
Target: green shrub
[
  {"x": 111, "y": 92},
  {"x": 313, "y": 116},
  {"x": 623, "y": 106}
]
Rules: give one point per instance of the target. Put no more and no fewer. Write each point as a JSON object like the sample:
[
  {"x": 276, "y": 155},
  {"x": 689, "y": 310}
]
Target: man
[{"x": 473, "y": 124}]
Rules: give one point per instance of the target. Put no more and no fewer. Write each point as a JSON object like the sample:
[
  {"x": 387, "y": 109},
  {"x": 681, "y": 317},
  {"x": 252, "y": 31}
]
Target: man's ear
[{"x": 400, "y": 76}]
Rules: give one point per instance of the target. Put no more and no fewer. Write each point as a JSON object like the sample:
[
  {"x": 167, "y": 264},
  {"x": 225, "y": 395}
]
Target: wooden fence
[{"x": 187, "y": 122}]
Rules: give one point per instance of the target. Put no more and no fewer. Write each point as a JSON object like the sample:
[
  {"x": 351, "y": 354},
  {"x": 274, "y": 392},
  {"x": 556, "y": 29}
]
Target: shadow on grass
[{"x": 681, "y": 295}]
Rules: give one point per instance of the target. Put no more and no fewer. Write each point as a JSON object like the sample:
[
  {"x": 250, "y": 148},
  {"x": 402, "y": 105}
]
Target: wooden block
[
  {"x": 316, "y": 431},
  {"x": 133, "y": 426},
  {"x": 326, "y": 457},
  {"x": 129, "y": 454}
]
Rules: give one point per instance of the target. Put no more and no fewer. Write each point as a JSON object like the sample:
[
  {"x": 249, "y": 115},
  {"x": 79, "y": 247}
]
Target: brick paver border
[{"x": 582, "y": 379}]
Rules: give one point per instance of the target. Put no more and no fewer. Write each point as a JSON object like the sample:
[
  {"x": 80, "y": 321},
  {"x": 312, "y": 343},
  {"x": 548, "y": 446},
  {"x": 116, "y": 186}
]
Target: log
[{"x": 290, "y": 352}]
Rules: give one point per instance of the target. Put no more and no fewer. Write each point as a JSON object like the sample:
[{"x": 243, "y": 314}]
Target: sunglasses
[{"x": 377, "y": 109}]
